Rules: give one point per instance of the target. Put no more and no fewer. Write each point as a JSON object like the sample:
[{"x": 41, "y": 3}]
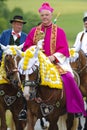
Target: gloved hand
[
  {"x": 53, "y": 59},
  {"x": 40, "y": 44}
]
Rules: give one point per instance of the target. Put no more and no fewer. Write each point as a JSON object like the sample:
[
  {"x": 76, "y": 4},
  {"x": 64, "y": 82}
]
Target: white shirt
[
  {"x": 81, "y": 44},
  {"x": 15, "y": 36}
]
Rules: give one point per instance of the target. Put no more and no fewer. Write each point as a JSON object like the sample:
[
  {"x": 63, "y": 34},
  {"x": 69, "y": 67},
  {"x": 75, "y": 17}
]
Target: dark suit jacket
[{"x": 5, "y": 38}]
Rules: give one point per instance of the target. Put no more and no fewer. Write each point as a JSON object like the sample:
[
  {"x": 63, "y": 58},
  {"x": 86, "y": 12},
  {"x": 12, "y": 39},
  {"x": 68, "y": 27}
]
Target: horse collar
[
  {"x": 46, "y": 109},
  {"x": 9, "y": 100}
]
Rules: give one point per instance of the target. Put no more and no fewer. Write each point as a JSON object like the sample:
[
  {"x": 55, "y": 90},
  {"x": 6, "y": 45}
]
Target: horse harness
[
  {"x": 9, "y": 100},
  {"x": 45, "y": 107}
]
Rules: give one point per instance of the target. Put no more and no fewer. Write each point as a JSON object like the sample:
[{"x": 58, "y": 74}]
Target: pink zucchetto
[{"x": 46, "y": 6}]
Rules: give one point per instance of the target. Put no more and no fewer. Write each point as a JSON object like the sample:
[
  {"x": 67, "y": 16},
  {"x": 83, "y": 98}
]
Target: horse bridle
[
  {"x": 11, "y": 72},
  {"x": 33, "y": 84}
]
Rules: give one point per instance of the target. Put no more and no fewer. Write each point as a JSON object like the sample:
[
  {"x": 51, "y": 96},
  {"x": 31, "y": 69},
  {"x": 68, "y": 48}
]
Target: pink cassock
[{"x": 61, "y": 41}]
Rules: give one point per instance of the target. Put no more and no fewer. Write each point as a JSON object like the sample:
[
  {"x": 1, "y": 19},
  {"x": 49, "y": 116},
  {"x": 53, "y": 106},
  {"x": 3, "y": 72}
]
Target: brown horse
[
  {"x": 11, "y": 96},
  {"x": 43, "y": 100},
  {"x": 11, "y": 99},
  {"x": 80, "y": 68}
]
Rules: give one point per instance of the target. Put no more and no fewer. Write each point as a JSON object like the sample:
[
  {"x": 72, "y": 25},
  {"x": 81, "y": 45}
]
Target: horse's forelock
[
  {"x": 8, "y": 59},
  {"x": 31, "y": 66}
]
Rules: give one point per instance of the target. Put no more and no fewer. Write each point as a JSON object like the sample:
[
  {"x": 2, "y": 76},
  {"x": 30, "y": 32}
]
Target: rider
[
  {"x": 81, "y": 39},
  {"x": 13, "y": 36},
  {"x": 55, "y": 46}
]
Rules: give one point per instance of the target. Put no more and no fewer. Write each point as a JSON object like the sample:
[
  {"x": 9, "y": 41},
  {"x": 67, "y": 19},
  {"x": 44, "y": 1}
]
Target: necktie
[{"x": 16, "y": 34}]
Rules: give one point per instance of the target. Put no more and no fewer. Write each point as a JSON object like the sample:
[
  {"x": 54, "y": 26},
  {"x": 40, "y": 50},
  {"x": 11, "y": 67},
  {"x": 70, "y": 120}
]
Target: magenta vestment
[
  {"x": 61, "y": 44},
  {"x": 74, "y": 100}
]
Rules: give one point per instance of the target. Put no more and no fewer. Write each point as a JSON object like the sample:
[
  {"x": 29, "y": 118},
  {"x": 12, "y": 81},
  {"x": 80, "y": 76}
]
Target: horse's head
[
  {"x": 10, "y": 64},
  {"x": 10, "y": 61},
  {"x": 28, "y": 68},
  {"x": 80, "y": 64}
]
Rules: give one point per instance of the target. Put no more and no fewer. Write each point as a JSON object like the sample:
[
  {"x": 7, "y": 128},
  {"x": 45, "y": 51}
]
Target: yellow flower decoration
[
  {"x": 2, "y": 72},
  {"x": 27, "y": 56},
  {"x": 72, "y": 52},
  {"x": 49, "y": 73},
  {"x": 13, "y": 50}
]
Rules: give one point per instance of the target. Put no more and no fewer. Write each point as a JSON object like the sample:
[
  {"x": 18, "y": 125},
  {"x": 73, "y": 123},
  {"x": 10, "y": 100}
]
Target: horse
[
  {"x": 11, "y": 99},
  {"x": 42, "y": 101},
  {"x": 47, "y": 103},
  {"x": 80, "y": 68},
  {"x": 11, "y": 96}
]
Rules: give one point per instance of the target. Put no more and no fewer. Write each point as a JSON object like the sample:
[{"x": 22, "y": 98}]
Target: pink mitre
[{"x": 46, "y": 6}]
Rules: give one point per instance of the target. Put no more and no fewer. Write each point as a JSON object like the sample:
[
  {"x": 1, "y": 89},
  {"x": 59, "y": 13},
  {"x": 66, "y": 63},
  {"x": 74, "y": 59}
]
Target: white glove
[{"x": 40, "y": 44}]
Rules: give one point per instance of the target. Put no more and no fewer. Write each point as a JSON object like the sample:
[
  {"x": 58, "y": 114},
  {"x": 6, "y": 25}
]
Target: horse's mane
[
  {"x": 82, "y": 55},
  {"x": 2, "y": 72}
]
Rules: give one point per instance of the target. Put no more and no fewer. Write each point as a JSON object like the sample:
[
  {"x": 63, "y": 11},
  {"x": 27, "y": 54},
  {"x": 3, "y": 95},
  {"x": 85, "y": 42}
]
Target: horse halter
[
  {"x": 12, "y": 73},
  {"x": 33, "y": 84}
]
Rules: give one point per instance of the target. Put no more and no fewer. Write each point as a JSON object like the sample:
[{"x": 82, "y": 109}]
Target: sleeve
[
  {"x": 2, "y": 38},
  {"x": 77, "y": 43},
  {"x": 62, "y": 50},
  {"x": 59, "y": 57},
  {"x": 29, "y": 40}
]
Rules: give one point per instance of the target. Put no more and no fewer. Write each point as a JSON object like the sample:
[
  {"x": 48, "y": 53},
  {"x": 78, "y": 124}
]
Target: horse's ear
[
  {"x": 3, "y": 47},
  {"x": 20, "y": 53},
  {"x": 20, "y": 46}
]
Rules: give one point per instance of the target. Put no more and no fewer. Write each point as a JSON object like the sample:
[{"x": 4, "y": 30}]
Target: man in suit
[{"x": 13, "y": 36}]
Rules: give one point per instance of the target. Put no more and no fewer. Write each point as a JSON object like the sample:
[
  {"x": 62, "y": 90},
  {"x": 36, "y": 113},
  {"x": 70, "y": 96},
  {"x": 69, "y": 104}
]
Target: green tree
[
  {"x": 16, "y": 11},
  {"x": 3, "y": 0},
  {"x": 3, "y": 24},
  {"x": 32, "y": 20}
]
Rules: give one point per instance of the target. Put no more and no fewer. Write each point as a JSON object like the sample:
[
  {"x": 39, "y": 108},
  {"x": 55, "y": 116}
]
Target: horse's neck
[
  {"x": 49, "y": 94},
  {"x": 82, "y": 57}
]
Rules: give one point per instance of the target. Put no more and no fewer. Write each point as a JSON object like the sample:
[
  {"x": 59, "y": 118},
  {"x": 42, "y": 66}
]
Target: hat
[
  {"x": 18, "y": 18},
  {"x": 46, "y": 6},
  {"x": 85, "y": 17}
]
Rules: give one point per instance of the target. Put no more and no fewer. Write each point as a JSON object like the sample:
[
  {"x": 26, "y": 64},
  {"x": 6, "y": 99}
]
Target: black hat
[
  {"x": 18, "y": 18},
  {"x": 84, "y": 19}
]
